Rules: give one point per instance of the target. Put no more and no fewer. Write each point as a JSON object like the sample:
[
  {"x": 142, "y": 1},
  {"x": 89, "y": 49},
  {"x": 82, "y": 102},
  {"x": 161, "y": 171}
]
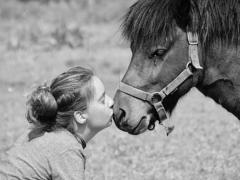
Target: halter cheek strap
[
  {"x": 156, "y": 98},
  {"x": 193, "y": 54},
  {"x": 193, "y": 50}
]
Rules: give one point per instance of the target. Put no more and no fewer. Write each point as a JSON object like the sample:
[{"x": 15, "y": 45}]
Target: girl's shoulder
[
  {"x": 57, "y": 141},
  {"x": 49, "y": 144},
  {"x": 22, "y": 139},
  {"x": 44, "y": 153}
]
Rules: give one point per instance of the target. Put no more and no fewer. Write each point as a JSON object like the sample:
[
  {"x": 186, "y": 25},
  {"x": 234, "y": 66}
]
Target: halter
[{"x": 156, "y": 98}]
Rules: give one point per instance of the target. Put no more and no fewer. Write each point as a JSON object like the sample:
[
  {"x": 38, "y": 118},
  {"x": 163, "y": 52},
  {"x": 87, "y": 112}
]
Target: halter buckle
[{"x": 192, "y": 38}]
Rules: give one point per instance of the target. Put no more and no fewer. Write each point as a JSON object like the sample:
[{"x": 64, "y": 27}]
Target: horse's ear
[{"x": 181, "y": 12}]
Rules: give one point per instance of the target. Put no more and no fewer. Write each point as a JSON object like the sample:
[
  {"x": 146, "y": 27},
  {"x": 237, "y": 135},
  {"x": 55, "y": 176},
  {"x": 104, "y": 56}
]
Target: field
[{"x": 40, "y": 39}]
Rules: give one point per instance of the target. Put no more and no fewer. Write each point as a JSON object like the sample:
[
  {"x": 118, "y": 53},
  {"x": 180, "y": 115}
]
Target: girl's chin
[{"x": 109, "y": 122}]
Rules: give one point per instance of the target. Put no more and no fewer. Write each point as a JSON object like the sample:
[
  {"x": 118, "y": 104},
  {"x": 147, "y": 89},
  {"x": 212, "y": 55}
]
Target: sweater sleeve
[{"x": 69, "y": 165}]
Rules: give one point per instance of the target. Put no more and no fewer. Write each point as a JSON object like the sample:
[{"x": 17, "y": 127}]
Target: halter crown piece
[{"x": 156, "y": 98}]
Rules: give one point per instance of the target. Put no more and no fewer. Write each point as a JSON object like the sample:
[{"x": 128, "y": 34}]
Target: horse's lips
[{"x": 140, "y": 128}]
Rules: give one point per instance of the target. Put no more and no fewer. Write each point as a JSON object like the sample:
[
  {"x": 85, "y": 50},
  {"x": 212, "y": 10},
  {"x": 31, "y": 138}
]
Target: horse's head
[{"x": 160, "y": 48}]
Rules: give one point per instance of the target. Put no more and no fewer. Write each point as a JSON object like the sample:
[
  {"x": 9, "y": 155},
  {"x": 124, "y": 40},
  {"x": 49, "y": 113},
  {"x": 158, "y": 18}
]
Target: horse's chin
[{"x": 137, "y": 132}]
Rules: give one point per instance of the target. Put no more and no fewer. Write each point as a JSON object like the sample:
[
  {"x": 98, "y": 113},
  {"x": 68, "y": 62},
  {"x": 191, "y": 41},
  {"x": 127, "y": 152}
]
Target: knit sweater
[{"x": 55, "y": 155}]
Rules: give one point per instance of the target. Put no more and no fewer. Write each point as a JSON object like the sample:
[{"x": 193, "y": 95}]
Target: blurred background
[{"x": 39, "y": 39}]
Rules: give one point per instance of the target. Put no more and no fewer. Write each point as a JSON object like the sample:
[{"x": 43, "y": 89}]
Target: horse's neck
[{"x": 221, "y": 79}]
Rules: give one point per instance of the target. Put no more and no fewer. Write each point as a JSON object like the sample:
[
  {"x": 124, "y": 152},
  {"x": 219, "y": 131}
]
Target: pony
[{"x": 177, "y": 45}]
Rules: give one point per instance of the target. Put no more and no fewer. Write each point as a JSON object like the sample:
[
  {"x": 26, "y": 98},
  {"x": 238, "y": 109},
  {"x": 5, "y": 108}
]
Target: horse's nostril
[
  {"x": 122, "y": 114},
  {"x": 120, "y": 117}
]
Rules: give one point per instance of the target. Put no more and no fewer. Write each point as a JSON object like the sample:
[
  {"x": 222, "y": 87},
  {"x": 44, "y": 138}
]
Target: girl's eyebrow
[{"x": 102, "y": 96}]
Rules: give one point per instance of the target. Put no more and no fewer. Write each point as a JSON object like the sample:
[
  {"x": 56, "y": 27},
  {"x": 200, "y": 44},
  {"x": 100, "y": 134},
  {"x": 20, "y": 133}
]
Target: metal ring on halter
[
  {"x": 190, "y": 67},
  {"x": 156, "y": 97},
  {"x": 151, "y": 125}
]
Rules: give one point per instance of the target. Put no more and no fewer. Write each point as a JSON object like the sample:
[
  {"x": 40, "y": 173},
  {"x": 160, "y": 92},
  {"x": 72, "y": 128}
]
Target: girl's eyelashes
[{"x": 102, "y": 100}]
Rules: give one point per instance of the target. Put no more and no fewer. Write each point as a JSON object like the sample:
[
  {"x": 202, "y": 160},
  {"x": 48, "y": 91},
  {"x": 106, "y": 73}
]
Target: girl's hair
[{"x": 52, "y": 107}]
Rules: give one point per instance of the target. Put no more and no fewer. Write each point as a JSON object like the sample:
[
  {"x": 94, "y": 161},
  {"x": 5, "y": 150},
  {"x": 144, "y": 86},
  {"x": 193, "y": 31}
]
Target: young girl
[{"x": 64, "y": 116}]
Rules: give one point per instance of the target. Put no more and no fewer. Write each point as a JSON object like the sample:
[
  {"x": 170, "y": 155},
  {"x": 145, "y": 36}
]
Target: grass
[{"x": 41, "y": 40}]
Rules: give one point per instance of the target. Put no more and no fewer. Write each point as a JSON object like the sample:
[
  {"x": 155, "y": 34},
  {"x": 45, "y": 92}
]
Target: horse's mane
[{"x": 147, "y": 21}]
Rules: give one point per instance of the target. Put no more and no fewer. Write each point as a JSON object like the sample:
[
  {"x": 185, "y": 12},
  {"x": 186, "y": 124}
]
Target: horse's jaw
[
  {"x": 222, "y": 77},
  {"x": 224, "y": 93}
]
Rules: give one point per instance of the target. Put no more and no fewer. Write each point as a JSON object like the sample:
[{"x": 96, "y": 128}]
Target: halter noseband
[{"x": 156, "y": 98}]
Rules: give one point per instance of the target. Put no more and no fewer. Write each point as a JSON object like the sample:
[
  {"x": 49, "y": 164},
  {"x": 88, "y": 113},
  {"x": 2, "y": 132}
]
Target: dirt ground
[{"x": 40, "y": 39}]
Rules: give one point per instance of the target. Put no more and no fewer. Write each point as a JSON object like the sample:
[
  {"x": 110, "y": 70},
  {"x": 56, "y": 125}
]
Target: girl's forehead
[{"x": 98, "y": 86}]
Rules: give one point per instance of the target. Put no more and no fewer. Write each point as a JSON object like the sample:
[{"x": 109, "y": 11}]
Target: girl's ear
[{"x": 80, "y": 117}]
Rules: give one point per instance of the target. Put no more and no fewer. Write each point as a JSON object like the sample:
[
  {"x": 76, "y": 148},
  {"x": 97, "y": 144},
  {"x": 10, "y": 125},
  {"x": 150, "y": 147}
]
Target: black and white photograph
[{"x": 119, "y": 89}]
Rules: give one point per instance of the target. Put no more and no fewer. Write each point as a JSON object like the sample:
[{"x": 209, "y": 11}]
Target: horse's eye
[{"x": 159, "y": 53}]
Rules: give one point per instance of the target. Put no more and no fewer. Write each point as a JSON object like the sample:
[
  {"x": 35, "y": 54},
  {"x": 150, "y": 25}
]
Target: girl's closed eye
[{"x": 102, "y": 101}]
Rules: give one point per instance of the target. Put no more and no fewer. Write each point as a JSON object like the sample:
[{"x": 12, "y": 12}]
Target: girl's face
[{"x": 100, "y": 107}]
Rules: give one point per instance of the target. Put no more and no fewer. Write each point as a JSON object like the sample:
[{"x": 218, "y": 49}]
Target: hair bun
[{"x": 42, "y": 106}]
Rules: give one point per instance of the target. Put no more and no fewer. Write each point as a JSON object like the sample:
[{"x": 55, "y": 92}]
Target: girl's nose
[{"x": 109, "y": 101}]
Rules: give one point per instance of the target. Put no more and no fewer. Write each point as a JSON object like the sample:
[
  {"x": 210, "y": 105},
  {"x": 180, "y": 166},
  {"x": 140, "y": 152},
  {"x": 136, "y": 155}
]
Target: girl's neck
[{"x": 86, "y": 134}]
